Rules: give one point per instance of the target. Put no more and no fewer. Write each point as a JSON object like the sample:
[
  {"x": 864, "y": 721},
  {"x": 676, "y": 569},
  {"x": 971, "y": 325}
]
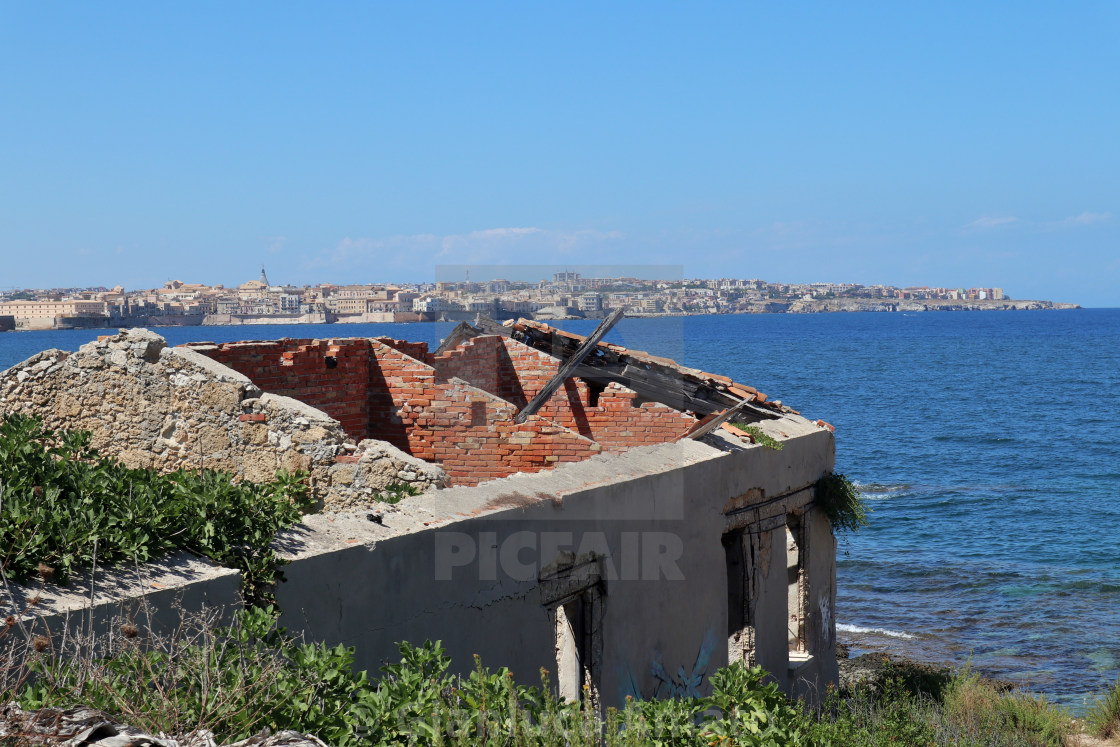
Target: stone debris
[
  {"x": 77, "y": 727},
  {"x": 164, "y": 408}
]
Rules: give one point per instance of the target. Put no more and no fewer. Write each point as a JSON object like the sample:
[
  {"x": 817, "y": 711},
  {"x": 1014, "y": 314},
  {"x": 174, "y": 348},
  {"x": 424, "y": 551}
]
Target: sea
[{"x": 987, "y": 445}]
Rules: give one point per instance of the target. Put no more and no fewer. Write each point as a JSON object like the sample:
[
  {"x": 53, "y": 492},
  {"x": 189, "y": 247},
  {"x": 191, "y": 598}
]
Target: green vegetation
[
  {"x": 397, "y": 491},
  {"x": 911, "y": 706},
  {"x": 1103, "y": 716},
  {"x": 64, "y": 507},
  {"x": 758, "y": 437},
  {"x": 238, "y": 680},
  {"x": 841, "y": 502}
]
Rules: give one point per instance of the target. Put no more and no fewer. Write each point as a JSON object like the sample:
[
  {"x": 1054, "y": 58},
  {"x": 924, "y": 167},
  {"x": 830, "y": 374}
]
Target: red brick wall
[
  {"x": 467, "y": 430},
  {"x": 618, "y": 421},
  {"x": 417, "y": 350},
  {"x": 299, "y": 369},
  {"x": 378, "y": 391},
  {"x": 622, "y": 421},
  {"x": 482, "y": 361}
]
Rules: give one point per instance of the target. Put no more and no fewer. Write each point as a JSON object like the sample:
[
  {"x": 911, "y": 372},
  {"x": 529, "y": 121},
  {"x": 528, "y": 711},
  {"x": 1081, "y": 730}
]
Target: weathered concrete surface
[
  {"x": 464, "y": 565},
  {"x": 483, "y": 569},
  {"x": 154, "y": 596},
  {"x": 168, "y": 408}
]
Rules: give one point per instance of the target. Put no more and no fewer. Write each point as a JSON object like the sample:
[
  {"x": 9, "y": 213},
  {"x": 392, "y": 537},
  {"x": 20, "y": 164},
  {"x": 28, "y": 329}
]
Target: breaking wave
[{"x": 843, "y": 628}]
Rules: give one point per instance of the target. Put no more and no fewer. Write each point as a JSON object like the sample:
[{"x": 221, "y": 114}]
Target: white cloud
[
  {"x": 484, "y": 246},
  {"x": 991, "y": 221},
  {"x": 485, "y": 238},
  {"x": 1087, "y": 219},
  {"x": 276, "y": 244}
]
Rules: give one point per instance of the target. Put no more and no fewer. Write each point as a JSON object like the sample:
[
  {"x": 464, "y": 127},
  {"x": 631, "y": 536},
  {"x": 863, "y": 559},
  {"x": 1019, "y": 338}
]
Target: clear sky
[{"x": 955, "y": 144}]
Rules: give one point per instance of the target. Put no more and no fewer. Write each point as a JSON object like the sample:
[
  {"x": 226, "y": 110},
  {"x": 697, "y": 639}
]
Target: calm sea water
[{"x": 988, "y": 444}]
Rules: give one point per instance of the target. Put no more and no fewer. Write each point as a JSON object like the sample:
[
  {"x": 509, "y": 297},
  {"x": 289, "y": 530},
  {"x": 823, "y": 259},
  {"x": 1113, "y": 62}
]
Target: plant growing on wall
[
  {"x": 841, "y": 502},
  {"x": 396, "y": 492},
  {"x": 758, "y": 437}
]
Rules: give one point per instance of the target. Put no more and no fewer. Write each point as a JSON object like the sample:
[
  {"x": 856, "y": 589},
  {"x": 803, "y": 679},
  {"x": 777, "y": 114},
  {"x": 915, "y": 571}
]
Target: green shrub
[
  {"x": 907, "y": 706},
  {"x": 841, "y": 502},
  {"x": 748, "y": 712},
  {"x": 758, "y": 437},
  {"x": 888, "y": 713},
  {"x": 64, "y": 507},
  {"x": 975, "y": 706},
  {"x": 234, "y": 681},
  {"x": 1103, "y": 715}
]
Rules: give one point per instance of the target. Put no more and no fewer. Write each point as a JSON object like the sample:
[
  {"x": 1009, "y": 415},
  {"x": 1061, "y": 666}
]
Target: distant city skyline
[
  {"x": 948, "y": 145},
  {"x": 460, "y": 275}
]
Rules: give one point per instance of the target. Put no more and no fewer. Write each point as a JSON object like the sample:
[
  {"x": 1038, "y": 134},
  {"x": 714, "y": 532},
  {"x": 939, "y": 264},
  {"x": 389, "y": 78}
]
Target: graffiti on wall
[{"x": 681, "y": 684}]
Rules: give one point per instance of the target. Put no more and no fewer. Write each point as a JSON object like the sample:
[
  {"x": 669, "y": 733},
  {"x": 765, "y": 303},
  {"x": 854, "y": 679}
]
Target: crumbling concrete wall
[
  {"x": 482, "y": 568},
  {"x": 477, "y": 568},
  {"x": 168, "y": 408}
]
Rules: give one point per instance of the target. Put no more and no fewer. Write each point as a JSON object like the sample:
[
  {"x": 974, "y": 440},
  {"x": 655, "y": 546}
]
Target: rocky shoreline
[
  {"x": 875, "y": 668},
  {"x": 914, "y": 305}
]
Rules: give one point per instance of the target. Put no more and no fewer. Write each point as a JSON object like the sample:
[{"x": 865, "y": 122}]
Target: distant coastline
[
  {"x": 801, "y": 306},
  {"x": 876, "y": 304}
]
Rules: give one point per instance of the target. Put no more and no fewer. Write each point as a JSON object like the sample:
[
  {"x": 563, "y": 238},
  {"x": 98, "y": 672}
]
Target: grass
[
  {"x": 238, "y": 679},
  {"x": 1103, "y": 716},
  {"x": 758, "y": 437},
  {"x": 914, "y": 705}
]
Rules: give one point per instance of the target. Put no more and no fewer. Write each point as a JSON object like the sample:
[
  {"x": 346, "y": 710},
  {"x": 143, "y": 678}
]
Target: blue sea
[{"x": 987, "y": 444}]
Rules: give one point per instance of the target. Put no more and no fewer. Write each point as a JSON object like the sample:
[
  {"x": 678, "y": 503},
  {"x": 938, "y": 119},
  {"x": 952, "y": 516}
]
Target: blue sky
[{"x": 957, "y": 144}]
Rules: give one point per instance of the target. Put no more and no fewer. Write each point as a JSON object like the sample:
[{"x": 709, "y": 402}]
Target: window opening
[
  {"x": 739, "y": 558},
  {"x": 797, "y": 604}
]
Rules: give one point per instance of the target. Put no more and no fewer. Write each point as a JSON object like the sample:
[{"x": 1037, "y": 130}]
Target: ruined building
[{"x": 583, "y": 508}]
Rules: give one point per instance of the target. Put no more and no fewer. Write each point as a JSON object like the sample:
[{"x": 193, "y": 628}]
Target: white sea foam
[
  {"x": 875, "y": 631},
  {"x": 873, "y": 491}
]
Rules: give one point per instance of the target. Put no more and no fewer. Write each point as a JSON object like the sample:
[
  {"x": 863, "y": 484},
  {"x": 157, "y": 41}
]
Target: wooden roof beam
[{"x": 590, "y": 343}]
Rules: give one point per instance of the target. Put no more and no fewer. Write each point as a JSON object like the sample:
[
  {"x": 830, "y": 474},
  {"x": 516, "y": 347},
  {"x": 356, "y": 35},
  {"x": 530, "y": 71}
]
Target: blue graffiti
[{"x": 683, "y": 684}]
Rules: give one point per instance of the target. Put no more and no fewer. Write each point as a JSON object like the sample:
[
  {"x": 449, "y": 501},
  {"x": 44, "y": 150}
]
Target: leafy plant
[
  {"x": 397, "y": 491},
  {"x": 750, "y": 712},
  {"x": 234, "y": 681},
  {"x": 841, "y": 502},
  {"x": 65, "y": 507},
  {"x": 758, "y": 437},
  {"x": 240, "y": 679}
]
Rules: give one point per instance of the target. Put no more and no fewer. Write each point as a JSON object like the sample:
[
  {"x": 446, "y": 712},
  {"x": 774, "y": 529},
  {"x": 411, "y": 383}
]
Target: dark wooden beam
[
  {"x": 669, "y": 389},
  {"x": 715, "y": 422},
  {"x": 571, "y": 364},
  {"x": 649, "y": 380}
]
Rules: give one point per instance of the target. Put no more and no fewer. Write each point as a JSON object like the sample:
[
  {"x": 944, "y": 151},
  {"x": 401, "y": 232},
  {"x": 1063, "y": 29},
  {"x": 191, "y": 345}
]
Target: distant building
[{"x": 590, "y": 302}]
